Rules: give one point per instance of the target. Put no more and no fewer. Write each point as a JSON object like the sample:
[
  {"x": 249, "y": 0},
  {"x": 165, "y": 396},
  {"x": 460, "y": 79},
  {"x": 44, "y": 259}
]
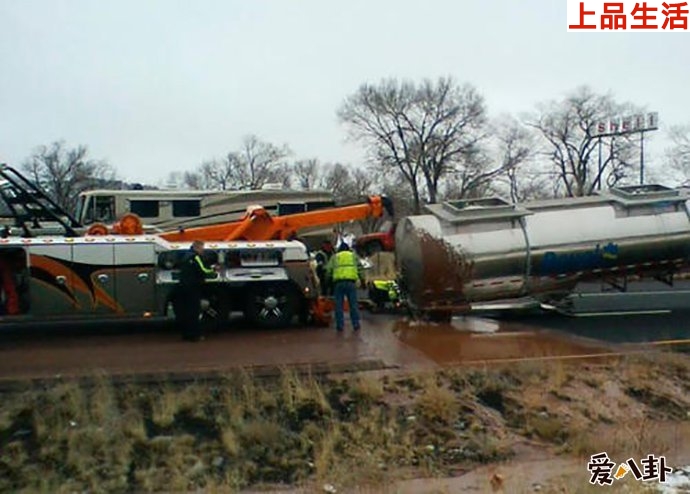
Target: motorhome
[
  {"x": 169, "y": 210},
  {"x": 172, "y": 209}
]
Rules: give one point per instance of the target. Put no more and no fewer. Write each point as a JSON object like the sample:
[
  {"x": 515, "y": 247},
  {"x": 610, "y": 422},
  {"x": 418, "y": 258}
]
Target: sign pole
[
  {"x": 618, "y": 126},
  {"x": 642, "y": 158},
  {"x": 600, "y": 170}
]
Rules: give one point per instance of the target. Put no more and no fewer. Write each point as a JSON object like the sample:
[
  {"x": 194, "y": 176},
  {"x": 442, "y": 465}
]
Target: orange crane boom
[{"x": 258, "y": 224}]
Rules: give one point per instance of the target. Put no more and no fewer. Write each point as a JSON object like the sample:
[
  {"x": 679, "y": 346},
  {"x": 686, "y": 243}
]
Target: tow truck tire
[{"x": 271, "y": 305}]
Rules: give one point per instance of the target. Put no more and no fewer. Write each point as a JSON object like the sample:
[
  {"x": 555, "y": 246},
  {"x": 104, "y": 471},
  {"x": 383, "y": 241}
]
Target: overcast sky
[{"x": 158, "y": 86}]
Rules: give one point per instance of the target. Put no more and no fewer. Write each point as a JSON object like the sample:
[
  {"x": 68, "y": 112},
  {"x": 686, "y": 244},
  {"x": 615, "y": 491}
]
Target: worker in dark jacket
[
  {"x": 322, "y": 258},
  {"x": 345, "y": 270},
  {"x": 187, "y": 300}
]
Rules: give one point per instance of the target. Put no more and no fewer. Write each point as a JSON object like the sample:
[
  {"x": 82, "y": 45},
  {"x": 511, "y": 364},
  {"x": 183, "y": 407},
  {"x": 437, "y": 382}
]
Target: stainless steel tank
[{"x": 489, "y": 249}]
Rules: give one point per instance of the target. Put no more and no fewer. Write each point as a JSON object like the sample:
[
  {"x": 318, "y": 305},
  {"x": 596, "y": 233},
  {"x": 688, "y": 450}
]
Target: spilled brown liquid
[{"x": 471, "y": 339}]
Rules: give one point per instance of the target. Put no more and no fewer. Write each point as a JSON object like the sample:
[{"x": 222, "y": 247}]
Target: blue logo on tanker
[{"x": 599, "y": 257}]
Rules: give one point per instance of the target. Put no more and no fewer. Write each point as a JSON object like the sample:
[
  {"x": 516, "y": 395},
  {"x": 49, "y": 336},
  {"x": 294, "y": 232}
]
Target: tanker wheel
[{"x": 271, "y": 305}]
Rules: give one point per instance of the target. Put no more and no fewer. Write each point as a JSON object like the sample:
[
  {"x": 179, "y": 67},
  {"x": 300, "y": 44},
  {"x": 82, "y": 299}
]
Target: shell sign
[{"x": 625, "y": 125}]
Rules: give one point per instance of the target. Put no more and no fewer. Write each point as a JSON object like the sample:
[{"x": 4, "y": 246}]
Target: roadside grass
[{"x": 363, "y": 430}]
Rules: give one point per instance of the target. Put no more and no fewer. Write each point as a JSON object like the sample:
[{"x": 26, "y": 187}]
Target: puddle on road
[
  {"x": 475, "y": 324},
  {"x": 471, "y": 339}
]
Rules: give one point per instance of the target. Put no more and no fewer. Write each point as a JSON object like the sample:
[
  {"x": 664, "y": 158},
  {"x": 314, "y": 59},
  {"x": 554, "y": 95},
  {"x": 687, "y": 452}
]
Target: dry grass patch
[
  {"x": 303, "y": 396},
  {"x": 230, "y": 441},
  {"x": 164, "y": 408},
  {"x": 437, "y": 403},
  {"x": 363, "y": 430},
  {"x": 327, "y": 455},
  {"x": 559, "y": 375},
  {"x": 365, "y": 452},
  {"x": 58, "y": 410},
  {"x": 367, "y": 389},
  {"x": 637, "y": 437}
]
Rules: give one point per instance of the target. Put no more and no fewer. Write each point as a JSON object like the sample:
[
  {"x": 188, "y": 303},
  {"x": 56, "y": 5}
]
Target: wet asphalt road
[
  {"x": 618, "y": 328},
  {"x": 649, "y": 311},
  {"x": 385, "y": 342}
]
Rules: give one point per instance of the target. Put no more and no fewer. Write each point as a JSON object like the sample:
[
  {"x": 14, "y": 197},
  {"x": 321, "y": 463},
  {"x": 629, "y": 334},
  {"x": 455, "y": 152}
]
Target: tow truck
[{"x": 55, "y": 269}]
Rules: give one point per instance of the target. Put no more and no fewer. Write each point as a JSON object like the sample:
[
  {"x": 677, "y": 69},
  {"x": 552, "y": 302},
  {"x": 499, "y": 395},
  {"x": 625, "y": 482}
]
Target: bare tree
[
  {"x": 363, "y": 182},
  {"x": 348, "y": 183},
  {"x": 351, "y": 184},
  {"x": 425, "y": 131},
  {"x": 193, "y": 180},
  {"x": 531, "y": 181},
  {"x": 566, "y": 128},
  {"x": 337, "y": 178},
  {"x": 254, "y": 165},
  {"x": 65, "y": 172},
  {"x": 513, "y": 148},
  {"x": 258, "y": 163},
  {"x": 678, "y": 155},
  {"x": 218, "y": 174},
  {"x": 308, "y": 173}
]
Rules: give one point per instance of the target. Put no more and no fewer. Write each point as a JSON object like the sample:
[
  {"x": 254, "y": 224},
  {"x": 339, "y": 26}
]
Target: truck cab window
[
  {"x": 86, "y": 210},
  {"x": 105, "y": 208}
]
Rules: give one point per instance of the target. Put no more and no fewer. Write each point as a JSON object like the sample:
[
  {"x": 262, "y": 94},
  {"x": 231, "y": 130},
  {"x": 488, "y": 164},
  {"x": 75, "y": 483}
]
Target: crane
[{"x": 259, "y": 225}]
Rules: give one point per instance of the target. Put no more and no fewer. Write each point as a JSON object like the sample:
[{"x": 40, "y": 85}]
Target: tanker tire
[{"x": 271, "y": 305}]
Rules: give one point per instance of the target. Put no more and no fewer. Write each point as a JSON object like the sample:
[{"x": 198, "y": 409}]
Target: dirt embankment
[{"x": 364, "y": 431}]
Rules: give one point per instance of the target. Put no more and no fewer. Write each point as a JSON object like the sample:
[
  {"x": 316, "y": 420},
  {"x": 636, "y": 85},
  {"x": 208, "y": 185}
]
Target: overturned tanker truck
[{"x": 468, "y": 252}]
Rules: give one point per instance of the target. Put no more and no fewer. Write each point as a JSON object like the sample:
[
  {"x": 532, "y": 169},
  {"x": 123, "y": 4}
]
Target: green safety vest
[
  {"x": 203, "y": 268},
  {"x": 344, "y": 266},
  {"x": 387, "y": 286}
]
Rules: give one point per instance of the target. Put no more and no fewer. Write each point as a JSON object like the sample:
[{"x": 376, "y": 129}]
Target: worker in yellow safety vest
[
  {"x": 384, "y": 293},
  {"x": 344, "y": 270}
]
